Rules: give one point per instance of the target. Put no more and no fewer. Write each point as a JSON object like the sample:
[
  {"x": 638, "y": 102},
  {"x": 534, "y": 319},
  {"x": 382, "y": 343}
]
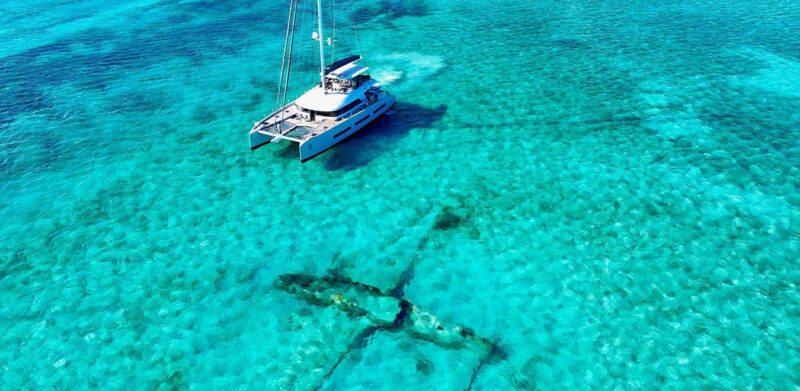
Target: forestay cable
[
  {"x": 283, "y": 59},
  {"x": 289, "y": 65}
]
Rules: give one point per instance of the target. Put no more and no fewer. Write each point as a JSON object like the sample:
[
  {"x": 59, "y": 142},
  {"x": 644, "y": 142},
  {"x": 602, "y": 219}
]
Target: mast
[{"x": 321, "y": 50}]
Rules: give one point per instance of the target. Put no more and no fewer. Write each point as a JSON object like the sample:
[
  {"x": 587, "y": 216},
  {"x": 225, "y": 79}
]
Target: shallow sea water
[{"x": 608, "y": 192}]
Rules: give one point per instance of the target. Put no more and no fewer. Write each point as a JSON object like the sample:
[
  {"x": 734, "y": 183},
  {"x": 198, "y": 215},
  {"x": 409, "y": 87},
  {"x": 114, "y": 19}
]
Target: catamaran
[{"x": 345, "y": 101}]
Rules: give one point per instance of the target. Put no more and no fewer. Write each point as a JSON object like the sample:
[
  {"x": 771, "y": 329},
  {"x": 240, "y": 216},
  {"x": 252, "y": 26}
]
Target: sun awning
[
  {"x": 347, "y": 72},
  {"x": 338, "y": 64}
]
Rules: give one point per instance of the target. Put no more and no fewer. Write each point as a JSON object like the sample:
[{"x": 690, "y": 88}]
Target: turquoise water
[{"x": 606, "y": 191}]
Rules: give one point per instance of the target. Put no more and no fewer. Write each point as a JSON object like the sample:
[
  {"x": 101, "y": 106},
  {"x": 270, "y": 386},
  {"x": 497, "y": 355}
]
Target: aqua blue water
[{"x": 607, "y": 191}]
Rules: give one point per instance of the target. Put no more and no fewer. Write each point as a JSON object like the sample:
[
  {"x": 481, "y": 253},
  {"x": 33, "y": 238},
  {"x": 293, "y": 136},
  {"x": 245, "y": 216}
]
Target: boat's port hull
[
  {"x": 259, "y": 139},
  {"x": 313, "y": 146}
]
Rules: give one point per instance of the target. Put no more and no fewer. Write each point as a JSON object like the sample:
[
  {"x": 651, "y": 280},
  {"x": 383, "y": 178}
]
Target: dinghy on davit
[{"x": 345, "y": 101}]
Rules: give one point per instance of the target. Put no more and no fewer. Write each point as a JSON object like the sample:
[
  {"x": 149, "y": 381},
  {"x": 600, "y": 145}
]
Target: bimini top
[
  {"x": 338, "y": 64},
  {"x": 348, "y": 72}
]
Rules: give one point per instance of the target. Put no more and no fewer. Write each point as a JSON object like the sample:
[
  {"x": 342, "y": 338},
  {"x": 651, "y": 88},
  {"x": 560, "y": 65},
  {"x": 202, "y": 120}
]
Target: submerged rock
[
  {"x": 424, "y": 366},
  {"x": 447, "y": 220}
]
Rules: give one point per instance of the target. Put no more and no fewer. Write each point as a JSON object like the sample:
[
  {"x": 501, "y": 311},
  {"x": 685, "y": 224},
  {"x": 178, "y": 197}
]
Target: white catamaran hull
[
  {"x": 320, "y": 143},
  {"x": 258, "y": 139}
]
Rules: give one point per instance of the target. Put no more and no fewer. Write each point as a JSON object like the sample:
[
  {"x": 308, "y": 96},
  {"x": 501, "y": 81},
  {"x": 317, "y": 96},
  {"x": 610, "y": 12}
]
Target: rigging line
[
  {"x": 355, "y": 29},
  {"x": 302, "y": 29},
  {"x": 283, "y": 59},
  {"x": 289, "y": 65},
  {"x": 333, "y": 37},
  {"x": 289, "y": 62}
]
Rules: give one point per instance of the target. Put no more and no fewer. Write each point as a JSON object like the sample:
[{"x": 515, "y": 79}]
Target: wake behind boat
[{"x": 345, "y": 101}]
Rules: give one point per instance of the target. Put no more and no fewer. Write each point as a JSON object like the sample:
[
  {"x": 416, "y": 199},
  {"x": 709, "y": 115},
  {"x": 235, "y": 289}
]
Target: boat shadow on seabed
[
  {"x": 382, "y": 135},
  {"x": 375, "y": 139}
]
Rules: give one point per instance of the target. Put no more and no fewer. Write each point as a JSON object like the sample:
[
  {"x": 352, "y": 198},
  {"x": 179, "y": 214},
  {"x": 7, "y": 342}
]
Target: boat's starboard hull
[{"x": 320, "y": 143}]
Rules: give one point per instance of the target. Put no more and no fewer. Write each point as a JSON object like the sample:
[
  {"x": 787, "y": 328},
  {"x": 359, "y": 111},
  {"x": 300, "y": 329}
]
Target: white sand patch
[
  {"x": 661, "y": 103},
  {"x": 780, "y": 74},
  {"x": 682, "y": 124}
]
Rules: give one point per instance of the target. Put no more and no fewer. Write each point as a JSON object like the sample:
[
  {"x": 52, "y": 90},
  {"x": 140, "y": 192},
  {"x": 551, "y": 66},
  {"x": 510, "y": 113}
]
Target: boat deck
[{"x": 287, "y": 124}]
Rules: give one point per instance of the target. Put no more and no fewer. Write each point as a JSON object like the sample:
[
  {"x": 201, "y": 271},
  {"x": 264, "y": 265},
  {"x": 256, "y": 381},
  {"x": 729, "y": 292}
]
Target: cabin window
[
  {"x": 366, "y": 117},
  {"x": 360, "y": 79},
  {"x": 342, "y": 132}
]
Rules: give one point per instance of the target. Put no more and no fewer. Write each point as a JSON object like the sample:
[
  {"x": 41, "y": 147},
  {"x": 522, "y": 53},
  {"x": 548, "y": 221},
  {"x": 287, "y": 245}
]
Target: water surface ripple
[{"x": 605, "y": 193}]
